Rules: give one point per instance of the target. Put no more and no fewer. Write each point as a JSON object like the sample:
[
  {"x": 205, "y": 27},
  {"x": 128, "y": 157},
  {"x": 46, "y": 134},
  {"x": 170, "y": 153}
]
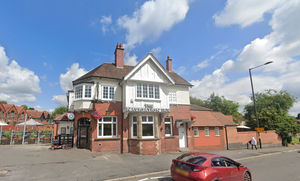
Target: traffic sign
[{"x": 260, "y": 130}]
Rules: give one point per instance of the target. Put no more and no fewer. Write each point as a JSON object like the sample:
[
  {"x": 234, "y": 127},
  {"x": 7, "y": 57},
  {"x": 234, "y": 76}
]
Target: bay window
[
  {"x": 134, "y": 127},
  {"x": 78, "y": 92},
  {"x": 83, "y": 91},
  {"x": 107, "y": 126},
  {"x": 88, "y": 91}
]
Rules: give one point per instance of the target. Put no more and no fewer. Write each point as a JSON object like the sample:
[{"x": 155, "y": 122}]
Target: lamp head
[{"x": 268, "y": 62}]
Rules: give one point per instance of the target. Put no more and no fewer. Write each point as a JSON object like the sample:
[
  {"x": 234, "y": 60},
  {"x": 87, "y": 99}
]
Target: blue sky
[{"x": 44, "y": 45}]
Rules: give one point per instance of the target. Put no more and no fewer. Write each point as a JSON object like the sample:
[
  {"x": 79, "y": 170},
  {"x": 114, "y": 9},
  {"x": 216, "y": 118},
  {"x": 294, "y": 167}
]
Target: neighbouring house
[
  {"x": 298, "y": 118},
  {"x": 63, "y": 125}
]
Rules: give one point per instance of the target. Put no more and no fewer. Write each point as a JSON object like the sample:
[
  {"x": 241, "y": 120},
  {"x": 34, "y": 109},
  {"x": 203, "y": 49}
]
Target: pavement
[{"x": 37, "y": 162}]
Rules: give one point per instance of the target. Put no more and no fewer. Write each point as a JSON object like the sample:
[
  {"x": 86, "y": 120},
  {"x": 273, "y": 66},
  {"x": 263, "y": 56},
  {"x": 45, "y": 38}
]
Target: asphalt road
[
  {"x": 37, "y": 162},
  {"x": 277, "y": 166}
]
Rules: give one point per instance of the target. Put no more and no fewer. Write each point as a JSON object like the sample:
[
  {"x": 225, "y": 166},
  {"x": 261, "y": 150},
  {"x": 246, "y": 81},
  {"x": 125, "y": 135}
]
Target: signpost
[{"x": 260, "y": 130}]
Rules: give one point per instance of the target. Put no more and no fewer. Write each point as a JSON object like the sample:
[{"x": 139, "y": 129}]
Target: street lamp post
[{"x": 254, "y": 101}]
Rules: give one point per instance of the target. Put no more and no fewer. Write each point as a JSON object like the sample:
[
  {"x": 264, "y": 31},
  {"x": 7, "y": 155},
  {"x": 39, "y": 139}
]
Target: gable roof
[
  {"x": 109, "y": 70},
  {"x": 2, "y": 107},
  {"x": 155, "y": 61},
  {"x": 20, "y": 109},
  {"x": 8, "y": 107},
  {"x": 61, "y": 117},
  {"x": 210, "y": 118},
  {"x": 34, "y": 114}
]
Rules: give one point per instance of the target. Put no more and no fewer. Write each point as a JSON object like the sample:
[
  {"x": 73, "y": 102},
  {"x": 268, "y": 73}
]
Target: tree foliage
[
  {"x": 59, "y": 110},
  {"x": 272, "y": 111},
  {"x": 219, "y": 104},
  {"x": 3, "y": 102}
]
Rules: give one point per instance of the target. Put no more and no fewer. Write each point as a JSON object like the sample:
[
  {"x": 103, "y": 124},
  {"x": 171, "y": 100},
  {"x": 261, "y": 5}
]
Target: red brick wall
[
  {"x": 149, "y": 147},
  {"x": 211, "y": 142},
  {"x": 169, "y": 144}
]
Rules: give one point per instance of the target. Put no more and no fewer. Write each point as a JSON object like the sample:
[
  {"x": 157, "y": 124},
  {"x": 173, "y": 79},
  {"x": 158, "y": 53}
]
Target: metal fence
[{"x": 32, "y": 137}]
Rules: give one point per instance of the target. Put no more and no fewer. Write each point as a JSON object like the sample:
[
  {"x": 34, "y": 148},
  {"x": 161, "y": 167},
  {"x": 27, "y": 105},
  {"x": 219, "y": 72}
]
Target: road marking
[{"x": 151, "y": 178}]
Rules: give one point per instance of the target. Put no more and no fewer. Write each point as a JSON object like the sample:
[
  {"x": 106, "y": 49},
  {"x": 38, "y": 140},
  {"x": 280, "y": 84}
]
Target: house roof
[
  {"x": 20, "y": 109},
  {"x": 34, "y": 113},
  {"x": 210, "y": 118},
  {"x": 109, "y": 70},
  {"x": 7, "y": 107},
  {"x": 61, "y": 117},
  {"x": 194, "y": 107}
]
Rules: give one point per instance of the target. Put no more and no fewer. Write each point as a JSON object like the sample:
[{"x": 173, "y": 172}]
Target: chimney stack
[
  {"x": 119, "y": 56},
  {"x": 169, "y": 64}
]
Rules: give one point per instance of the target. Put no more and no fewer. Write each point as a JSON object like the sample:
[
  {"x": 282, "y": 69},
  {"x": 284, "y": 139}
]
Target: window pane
[
  {"x": 107, "y": 130},
  {"x": 78, "y": 92},
  {"x": 145, "y": 90},
  {"x": 115, "y": 119},
  {"x": 151, "y": 91},
  {"x": 111, "y": 92},
  {"x": 156, "y": 92},
  {"x": 206, "y": 131},
  {"x": 134, "y": 130},
  {"x": 105, "y": 92},
  {"x": 88, "y": 91},
  {"x": 144, "y": 118},
  {"x": 167, "y": 119},
  {"x": 134, "y": 119},
  {"x": 217, "y": 130},
  {"x": 168, "y": 129},
  {"x": 147, "y": 129},
  {"x": 139, "y": 90},
  {"x": 150, "y": 119},
  {"x": 107, "y": 119},
  {"x": 196, "y": 131}
]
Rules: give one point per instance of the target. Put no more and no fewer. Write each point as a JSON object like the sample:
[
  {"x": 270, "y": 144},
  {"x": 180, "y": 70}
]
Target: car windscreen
[{"x": 194, "y": 159}]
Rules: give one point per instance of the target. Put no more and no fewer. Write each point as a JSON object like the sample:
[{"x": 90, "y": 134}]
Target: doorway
[
  {"x": 182, "y": 135},
  {"x": 83, "y": 138}
]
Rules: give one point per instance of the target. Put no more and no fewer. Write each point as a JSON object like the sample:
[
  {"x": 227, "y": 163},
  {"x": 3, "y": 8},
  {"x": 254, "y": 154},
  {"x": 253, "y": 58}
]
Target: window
[
  {"x": 148, "y": 91},
  {"x": 108, "y": 92},
  {"x": 196, "y": 131},
  {"x": 107, "y": 126},
  {"x": 63, "y": 130},
  {"x": 168, "y": 126},
  {"x": 134, "y": 127},
  {"x": 71, "y": 130},
  {"x": 147, "y": 126},
  {"x": 22, "y": 115},
  {"x": 206, "y": 129},
  {"x": 172, "y": 97},
  {"x": 78, "y": 92},
  {"x": 88, "y": 91},
  {"x": 217, "y": 131},
  {"x": 12, "y": 114},
  {"x": 139, "y": 90},
  {"x": 218, "y": 162}
]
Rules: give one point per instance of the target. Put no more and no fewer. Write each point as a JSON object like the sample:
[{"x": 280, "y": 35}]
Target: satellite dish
[{"x": 71, "y": 116}]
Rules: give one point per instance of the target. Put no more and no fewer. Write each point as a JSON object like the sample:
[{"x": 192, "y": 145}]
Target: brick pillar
[
  {"x": 156, "y": 126},
  {"x": 139, "y": 127}
]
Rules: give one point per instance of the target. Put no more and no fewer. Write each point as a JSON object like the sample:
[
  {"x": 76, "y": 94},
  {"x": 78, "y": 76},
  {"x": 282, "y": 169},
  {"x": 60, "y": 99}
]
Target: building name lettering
[{"x": 146, "y": 109}]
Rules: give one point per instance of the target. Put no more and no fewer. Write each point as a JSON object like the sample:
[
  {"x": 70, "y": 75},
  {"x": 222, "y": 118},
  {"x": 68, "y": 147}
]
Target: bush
[
  {"x": 295, "y": 141},
  {"x": 7, "y": 134}
]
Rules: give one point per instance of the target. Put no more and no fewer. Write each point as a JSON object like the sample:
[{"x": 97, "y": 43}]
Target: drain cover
[{"x": 3, "y": 172}]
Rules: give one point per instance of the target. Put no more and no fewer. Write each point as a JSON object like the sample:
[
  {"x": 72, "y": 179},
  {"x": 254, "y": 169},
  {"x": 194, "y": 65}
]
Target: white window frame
[
  {"x": 147, "y": 122},
  {"x": 109, "y": 95},
  {"x": 132, "y": 124},
  {"x": 217, "y": 131},
  {"x": 142, "y": 91},
  {"x": 206, "y": 131},
  {"x": 83, "y": 91},
  {"x": 78, "y": 92},
  {"x": 86, "y": 90},
  {"x": 169, "y": 123},
  {"x": 194, "y": 129},
  {"x": 112, "y": 122},
  {"x": 172, "y": 97}
]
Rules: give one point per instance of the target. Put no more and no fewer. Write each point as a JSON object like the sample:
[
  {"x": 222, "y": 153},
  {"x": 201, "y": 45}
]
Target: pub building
[{"x": 141, "y": 109}]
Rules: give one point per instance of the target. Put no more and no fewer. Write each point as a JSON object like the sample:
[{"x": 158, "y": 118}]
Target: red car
[{"x": 208, "y": 167}]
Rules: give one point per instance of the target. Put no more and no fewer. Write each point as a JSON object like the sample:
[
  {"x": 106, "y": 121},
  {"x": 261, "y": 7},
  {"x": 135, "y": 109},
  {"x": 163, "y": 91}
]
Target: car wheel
[
  {"x": 247, "y": 176},
  {"x": 216, "y": 179}
]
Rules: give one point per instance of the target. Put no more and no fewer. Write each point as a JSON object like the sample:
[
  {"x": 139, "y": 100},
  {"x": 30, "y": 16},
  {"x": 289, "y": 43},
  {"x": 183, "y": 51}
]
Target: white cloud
[
  {"x": 181, "y": 70},
  {"x": 282, "y": 46},
  {"x": 151, "y": 20},
  {"x": 17, "y": 84},
  {"x": 244, "y": 13},
  {"x": 156, "y": 51},
  {"x": 72, "y": 74},
  {"x": 105, "y": 21},
  {"x": 60, "y": 100},
  {"x": 66, "y": 84}
]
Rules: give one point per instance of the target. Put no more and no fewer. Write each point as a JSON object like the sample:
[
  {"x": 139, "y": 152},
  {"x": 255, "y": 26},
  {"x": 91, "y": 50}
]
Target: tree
[
  {"x": 197, "y": 101},
  {"x": 59, "y": 110},
  {"x": 3, "y": 102},
  {"x": 25, "y": 106},
  {"x": 272, "y": 111},
  {"x": 219, "y": 104}
]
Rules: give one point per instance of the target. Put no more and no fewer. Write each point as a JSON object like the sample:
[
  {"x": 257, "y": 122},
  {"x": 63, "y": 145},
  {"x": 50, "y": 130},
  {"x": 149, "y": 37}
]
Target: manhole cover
[{"x": 3, "y": 172}]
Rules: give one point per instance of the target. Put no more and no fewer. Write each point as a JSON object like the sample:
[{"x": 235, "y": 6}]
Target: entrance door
[
  {"x": 83, "y": 133},
  {"x": 182, "y": 136}
]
